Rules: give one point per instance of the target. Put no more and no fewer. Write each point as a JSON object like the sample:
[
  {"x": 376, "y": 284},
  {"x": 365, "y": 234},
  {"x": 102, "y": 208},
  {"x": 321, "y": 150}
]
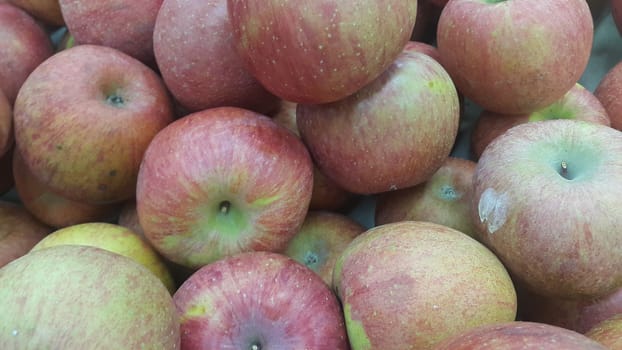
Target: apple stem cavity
[
  {"x": 224, "y": 207},
  {"x": 310, "y": 259},
  {"x": 115, "y": 100}
]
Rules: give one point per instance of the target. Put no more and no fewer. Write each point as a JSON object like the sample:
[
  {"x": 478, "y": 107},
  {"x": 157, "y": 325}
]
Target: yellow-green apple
[
  {"x": 445, "y": 198},
  {"x": 84, "y": 118},
  {"x": 47, "y": 11},
  {"x": 608, "y": 332},
  {"x": 543, "y": 202},
  {"x": 113, "y": 238},
  {"x": 479, "y": 45},
  {"x": 393, "y": 133},
  {"x": 126, "y": 25},
  {"x": 417, "y": 283},
  {"x": 608, "y": 90},
  {"x": 222, "y": 181},
  {"x": 319, "y": 51},
  {"x": 578, "y": 103},
  {"x": 24, "y": 46},
  {"x": 520, "y": 335},
  {"x": 320, "y": 241},
  {"x": 6, "y": 124},
  {"x": 19, "y": 231},
  {"x": 51, "y": 208},
  {"x": 81, "y": 297},
  {"x": 194, "y": 51},
  {"x": 258, "y": 300}
]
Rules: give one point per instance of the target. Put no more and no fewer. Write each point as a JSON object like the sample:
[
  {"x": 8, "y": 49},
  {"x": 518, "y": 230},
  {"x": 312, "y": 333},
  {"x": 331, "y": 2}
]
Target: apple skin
[
  {"x": 413, "y": 108},
  {"x": 19, "y": 231},
  {"x": 445, "y": 198},
  {"x": 519, "y": 335},
  {"x": 84, "y": 118},
  {"x": 320, "y": 241},
  {"x": 416, "y": 283},
  {"x": 320, "y": 51},
  {"x": 6, "y": 125},
  {"x": 113, "y": 238},
  {"x": 578, "y": 103},
  {"x": 84, "y": 297},
  {"x": 25, "y": 46},
  {"x": 529, "y": 206},
  {"x": 126, "y": 25},
  {"x": 608, "y": 332},
  {"x": 193, "y": 47},
  {"x": 48, "y": 11},
  {"x": 259, "y": 298},
  {"x": 607, "y": 92},
  {"x": 50, "y": 208},
  {"x": 222, "y": 181},
  {"x": 478, "y": 46}
]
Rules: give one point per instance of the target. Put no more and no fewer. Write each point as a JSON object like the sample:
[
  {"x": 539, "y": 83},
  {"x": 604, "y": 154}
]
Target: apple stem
[
  {"x": 564, "y": 168},
  {"x": 255, "y": 347},
  {"x": 225, "y": 206}
]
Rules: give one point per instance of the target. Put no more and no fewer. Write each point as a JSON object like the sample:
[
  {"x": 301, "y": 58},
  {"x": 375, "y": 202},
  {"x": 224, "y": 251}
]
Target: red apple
[
  {"x": 6, "y": 124},
  {"x": 84, "y": 118},
  {"x": 520, "y": 336},
  {"x": 578, "y": 103},
  {"x": 394, "y": 133},
  {"x": 445, "y": 198},
  {"x": 48, "y": 11},
  {"x": 608, "y": 91},
  {"x": 508, "y": 56},
  {"x": 24, "y": 46},
  {"x": 259, "y": 300},
  {"x": 413, "y": 283},
  {"x": 543, "y": 199},
  {"x": 608, "y": 332},
  {"x": 193, "y": 47},
  {"x": 319, "y": 51},
  {"x": 19, "y": 231},
  {"x": 222, "y": 181}
]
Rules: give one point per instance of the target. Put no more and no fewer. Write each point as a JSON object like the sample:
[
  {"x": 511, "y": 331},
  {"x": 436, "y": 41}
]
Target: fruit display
[{"x": 311, "y": 174}]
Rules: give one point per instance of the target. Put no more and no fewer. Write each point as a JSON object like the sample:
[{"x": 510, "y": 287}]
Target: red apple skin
[
  {"x": 551, "y": 227},
  {"x": 578, "y": 103},
  {"x": 50, "y": 208},
  {"x": 48, "y": 11},
  {"x": 320, "y": 51},
  {"x": 200, "y": 66},
  {"x": 519, "y": 335},
  {"x": 478, "y": 46},
  {"x": 413, "y": 107},
  {"x": 6, "y": 124},
  {"x": 260, "y": 298},
  {"x": 444, "y": 199},
  {"x": 608, "y": 332},
  {"x": 126, "y": 25},
  {"x": 19, "y": 231},
  {"x": 416, "y": 283},
  {"x": 84, "y": 118},
  {"x": 222, "y": 181},
  {"x": 24, "y": 46},
  {"x": 608, "y": 91}
]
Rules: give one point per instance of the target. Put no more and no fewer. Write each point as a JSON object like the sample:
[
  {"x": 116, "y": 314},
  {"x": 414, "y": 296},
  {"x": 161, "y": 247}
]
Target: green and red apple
[
  {"x": 19, "y": 231},
  {"x": 608, "y": 332}
]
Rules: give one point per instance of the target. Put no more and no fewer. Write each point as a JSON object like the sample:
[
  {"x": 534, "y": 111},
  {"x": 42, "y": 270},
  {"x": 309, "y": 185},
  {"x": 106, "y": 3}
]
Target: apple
[
  {"x": 520, "y": 335},
  {"x": 416, "y": 283},
  {"x": 508, "y": 56},
  {"x": 113, "y": 238},
  {"x": 84, "y": 118},
  {"x": 578, "y": 103},
  {"x": 24, "y": 46},
  {"x": 222, "y": 181},
  {"x": 320, "y": 241},
  {"x": 48, "y": 11},
  {"x": 319, "y": 51},
  {"x": 608, "y": 332},
  {"x": 81, "y": 297},
  {"x": 6, "y": 124},
  {"x": 258, "y": 300},
  {"x": 126, "y": 25},
  {"x": 393, "y": 133},
  {"x": 607, "y": 92},
  {"x": 51, "y": 208},
  {"x": 542, "y": 202},
  {"x": 19, "y": 231},
  {"x": 194, "y": 51},
  {"x": 445, "y": 198}
]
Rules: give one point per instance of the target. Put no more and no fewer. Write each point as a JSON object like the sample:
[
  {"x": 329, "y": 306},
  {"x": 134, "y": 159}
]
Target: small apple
[
  {"x": 543, "y": 199},
  {"x": 607, "y": 92},
  {"x": 417, "y": 283},
  {"x": 19, "y": 231},
  {"x": 84, "y": 118},
  {"x": 6, "y": 124},
  {"x": 608, "y": 332},
  {"x": 319, "y": 51},
  {"x": 48, "y": 11},
  {"x": 508, "y": 56},
  {"x": 259, "y": 300},
  {"x": 81, "y": 297},
  {"x": 222, "y": 181}
]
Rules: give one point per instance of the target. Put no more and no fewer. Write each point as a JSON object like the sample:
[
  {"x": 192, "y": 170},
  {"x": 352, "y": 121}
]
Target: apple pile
[{"x": 190, "y": 174}]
